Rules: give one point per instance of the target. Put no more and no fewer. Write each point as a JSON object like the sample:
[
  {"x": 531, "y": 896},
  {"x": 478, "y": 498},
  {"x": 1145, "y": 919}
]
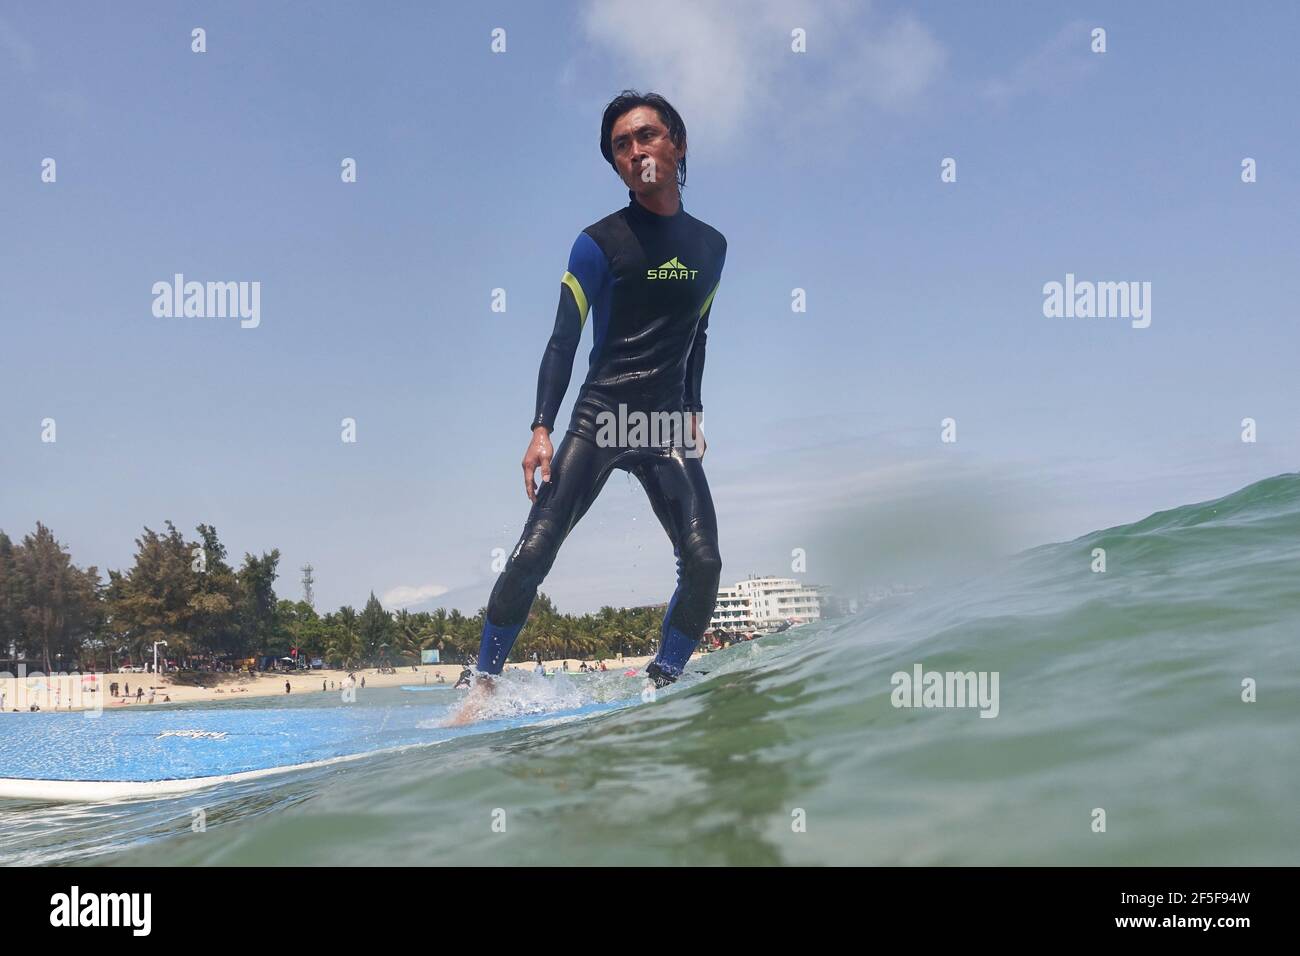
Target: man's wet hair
[{"x": 668, "y": 115}]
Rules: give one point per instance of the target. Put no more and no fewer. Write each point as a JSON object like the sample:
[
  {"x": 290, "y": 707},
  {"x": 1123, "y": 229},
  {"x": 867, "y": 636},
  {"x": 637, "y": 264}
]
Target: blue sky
[{"x": 477, "y": 170}]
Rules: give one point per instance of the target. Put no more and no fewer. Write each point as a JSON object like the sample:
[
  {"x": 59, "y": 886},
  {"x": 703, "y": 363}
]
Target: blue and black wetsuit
[{"x": 648, "y": 281}]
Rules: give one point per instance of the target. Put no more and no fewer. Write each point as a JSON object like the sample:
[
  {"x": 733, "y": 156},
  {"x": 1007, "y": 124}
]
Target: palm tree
[{"x": 344, "y": 647}]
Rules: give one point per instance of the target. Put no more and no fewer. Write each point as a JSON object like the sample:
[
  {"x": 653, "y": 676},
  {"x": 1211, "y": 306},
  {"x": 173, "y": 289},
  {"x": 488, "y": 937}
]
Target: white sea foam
[{"x": 521, "y": 693}]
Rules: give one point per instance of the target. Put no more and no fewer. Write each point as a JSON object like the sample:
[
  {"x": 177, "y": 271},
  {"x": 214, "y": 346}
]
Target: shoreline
[{"x": 64, "y": 693}]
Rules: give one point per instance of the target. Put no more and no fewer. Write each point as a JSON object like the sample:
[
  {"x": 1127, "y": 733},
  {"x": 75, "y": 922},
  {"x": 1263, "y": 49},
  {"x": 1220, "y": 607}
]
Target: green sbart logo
[{"x": 672, "y": 269}]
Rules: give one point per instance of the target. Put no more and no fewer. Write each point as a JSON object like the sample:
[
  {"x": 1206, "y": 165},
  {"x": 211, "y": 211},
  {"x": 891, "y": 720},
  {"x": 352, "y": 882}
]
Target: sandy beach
[{"x": 73, "y": 692}]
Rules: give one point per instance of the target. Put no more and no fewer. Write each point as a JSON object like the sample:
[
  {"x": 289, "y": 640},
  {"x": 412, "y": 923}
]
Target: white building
[
  {"x": 731, "y": 612},
  {"x": 765, "y": 603}
]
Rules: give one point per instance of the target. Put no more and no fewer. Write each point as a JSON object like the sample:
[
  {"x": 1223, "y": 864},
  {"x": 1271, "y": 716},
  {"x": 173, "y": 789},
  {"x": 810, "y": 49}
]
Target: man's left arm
[{"x": 695, "y": 362}]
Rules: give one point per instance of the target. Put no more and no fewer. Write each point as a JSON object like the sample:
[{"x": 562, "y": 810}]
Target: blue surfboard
[{"x": 69, "y": 756}]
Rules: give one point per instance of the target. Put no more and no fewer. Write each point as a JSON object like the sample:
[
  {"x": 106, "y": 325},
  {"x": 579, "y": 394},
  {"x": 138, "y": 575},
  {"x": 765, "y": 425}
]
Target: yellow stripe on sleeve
[
  {"x": 579, "y": 296},
  {"x": 709, "y": 301}
]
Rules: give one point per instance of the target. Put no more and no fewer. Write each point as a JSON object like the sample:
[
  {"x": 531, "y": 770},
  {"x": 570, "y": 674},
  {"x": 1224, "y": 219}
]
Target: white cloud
[
  {"x": 16, "y": 48},
  {"x": 71, "y": 104},
  {"x": 1064, "y": 59},
  {"x": 724, "y": 64},
  {"x": 404, "y": 595}
]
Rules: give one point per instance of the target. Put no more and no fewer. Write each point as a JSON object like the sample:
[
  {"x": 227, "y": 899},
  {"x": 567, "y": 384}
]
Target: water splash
[{"x": 521, "y": 693}]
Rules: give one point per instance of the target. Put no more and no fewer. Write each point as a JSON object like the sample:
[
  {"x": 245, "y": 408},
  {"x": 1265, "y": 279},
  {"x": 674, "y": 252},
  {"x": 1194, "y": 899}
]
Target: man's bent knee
[{"x": 535, "y": 553}]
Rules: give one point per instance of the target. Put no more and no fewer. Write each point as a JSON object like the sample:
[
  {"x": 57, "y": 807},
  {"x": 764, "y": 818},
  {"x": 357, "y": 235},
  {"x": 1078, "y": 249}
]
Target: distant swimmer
[{"x": 465, "y": 679}]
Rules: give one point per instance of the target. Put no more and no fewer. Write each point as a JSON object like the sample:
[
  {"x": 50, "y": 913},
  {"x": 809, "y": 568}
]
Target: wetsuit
[{"x": 648, "y": 281}]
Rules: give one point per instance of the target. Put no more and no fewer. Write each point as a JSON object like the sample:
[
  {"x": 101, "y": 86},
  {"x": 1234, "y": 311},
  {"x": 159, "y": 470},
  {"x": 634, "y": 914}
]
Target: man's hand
[
  {"x": 538, "y": 455},
  {"x": 697, "y": 434}
]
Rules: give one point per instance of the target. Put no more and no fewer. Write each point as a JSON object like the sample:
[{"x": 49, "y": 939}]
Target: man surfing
[{"x": 647, "y": 275}]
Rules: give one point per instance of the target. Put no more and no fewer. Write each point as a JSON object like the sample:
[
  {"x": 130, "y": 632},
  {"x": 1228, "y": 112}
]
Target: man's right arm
[{"x": 579, "y": 287}]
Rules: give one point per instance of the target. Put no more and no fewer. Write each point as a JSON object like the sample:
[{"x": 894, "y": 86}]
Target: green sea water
[{"x": 1118, "y": 691}]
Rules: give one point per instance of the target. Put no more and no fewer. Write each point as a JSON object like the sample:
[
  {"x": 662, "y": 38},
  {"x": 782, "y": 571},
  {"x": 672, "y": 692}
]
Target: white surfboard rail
[{"x": 97, "y": 791}]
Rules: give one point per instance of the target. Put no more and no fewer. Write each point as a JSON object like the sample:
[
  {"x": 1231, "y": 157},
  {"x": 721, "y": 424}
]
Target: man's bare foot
[{"x": 475, "y": 701}]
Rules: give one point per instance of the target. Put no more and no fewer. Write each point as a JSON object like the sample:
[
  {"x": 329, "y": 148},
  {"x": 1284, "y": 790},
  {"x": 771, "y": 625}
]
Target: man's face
[{"x": 640, "y": 141}]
